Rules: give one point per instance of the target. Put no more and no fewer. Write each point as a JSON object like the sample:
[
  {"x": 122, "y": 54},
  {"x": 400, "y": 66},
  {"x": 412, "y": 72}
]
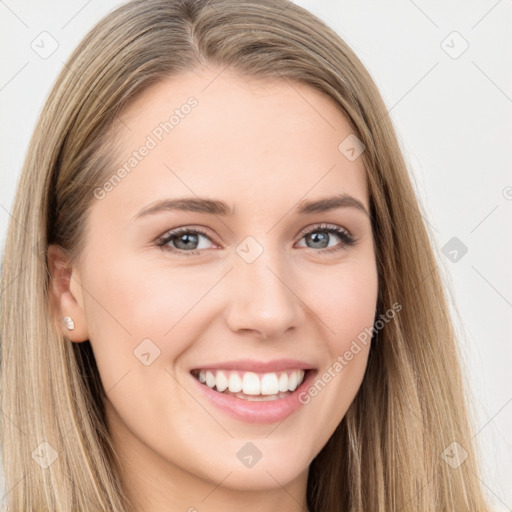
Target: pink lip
[
  {"x": 248, "y": 365},
  {"x": 257, "y": 412}
]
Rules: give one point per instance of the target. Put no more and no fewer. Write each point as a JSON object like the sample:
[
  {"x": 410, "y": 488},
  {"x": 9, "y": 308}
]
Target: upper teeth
[{"x": 251, "y": 383}]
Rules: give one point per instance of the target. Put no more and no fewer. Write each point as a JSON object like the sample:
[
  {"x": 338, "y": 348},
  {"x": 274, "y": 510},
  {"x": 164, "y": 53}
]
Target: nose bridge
[{"x": 262, "y": 297}]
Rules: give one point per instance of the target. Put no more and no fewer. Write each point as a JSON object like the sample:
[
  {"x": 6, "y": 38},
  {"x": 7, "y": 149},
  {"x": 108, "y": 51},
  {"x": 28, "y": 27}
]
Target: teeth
[
  {"x": 221, "y": 381},
  {"x": 250, "y": 383},
  {"x": 269, "y": 384},
  {"x": 293, "y": 381},
  {"x": 235, "y": 383},
  {"x": 210, "y": 379},
  {"x": 261, "y": 398},
  {"x": 283, "y": 382}
]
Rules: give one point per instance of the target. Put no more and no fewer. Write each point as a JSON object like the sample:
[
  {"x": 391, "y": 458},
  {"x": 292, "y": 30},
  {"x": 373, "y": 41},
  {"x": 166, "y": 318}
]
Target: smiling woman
[{"x": 248, "y": 317}]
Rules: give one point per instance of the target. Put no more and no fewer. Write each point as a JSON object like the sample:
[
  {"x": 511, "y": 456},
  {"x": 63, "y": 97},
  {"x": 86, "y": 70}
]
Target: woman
[{"x": 299, "y": 357}]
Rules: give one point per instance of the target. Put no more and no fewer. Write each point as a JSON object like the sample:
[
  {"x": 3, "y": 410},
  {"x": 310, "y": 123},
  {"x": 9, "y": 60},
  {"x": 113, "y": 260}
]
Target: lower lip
[{"x": 257, "y": 412}]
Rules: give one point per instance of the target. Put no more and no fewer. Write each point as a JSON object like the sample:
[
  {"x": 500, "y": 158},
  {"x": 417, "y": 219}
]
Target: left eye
[
  {"x": 186, "y": 241},
  {"x": 326, "y": 231}
]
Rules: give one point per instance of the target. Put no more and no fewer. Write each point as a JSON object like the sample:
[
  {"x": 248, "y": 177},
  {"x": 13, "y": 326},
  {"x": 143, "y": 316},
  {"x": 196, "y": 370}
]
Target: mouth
[
  {"x": 255, "y": 391},
  {"x": 252, "y": 386}
]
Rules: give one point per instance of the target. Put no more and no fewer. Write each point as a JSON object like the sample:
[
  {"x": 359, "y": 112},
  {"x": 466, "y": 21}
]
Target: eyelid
[
  {"x": 174, "y": 232},
  {"x": 323, "y": 226}
]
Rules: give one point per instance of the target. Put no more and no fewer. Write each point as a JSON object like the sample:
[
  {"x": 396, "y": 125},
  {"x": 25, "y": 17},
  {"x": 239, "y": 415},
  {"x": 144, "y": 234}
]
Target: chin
[{"x": 277, "y": 470}]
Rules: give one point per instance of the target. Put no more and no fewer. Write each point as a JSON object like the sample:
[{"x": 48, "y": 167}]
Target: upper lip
[{"x": 251, "y": 365}]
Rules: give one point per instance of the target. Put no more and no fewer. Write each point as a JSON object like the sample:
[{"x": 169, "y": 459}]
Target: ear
[{"x": 65, "y": 293}]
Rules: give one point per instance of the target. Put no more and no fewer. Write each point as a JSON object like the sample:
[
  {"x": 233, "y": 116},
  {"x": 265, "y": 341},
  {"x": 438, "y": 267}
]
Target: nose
[{"x": 262, "y": 299}]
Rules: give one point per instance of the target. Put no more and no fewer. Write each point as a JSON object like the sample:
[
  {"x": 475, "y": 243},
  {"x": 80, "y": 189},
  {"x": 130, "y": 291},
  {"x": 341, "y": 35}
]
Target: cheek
[
  {"x": 168, "y": 304},
  {"x": 136, "y": 299},
  {"x": 345, "y": 299},
  {"x": 127, "y": 305}
]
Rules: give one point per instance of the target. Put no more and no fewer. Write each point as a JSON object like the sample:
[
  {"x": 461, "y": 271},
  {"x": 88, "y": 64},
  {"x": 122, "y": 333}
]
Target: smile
[
  {"x": 254, "y": 391},
  {"x": 252, "y": 386}
]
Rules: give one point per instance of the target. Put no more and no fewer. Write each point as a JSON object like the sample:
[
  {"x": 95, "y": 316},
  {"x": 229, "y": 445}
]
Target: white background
[{"x": 453, "y": 118}]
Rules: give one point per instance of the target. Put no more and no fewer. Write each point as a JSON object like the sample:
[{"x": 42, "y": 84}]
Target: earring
[{"x": 68, "y": 322}]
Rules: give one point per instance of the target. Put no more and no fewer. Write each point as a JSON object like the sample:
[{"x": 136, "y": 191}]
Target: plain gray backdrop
[{"x": 443, "y": 69}]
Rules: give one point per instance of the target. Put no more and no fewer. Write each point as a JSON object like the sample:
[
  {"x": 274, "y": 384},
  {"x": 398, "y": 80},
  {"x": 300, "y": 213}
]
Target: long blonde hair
[{"x": 386, "y": 454}]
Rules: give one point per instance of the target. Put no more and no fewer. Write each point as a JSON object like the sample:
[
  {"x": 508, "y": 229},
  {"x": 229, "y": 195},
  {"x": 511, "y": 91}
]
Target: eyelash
[{"x": 345, "y": 236}]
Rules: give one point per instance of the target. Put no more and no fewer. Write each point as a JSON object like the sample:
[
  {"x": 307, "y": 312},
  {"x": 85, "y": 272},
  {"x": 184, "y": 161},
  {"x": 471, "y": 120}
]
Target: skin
[{"x": 261, "y": 146}]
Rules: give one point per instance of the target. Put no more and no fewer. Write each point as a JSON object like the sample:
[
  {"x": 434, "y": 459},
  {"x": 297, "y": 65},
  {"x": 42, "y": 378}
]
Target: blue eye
[
  {"x": 186, "y": 241},
  {"x": 325, "y": 231},
  {"x": 187, "y": 238}
]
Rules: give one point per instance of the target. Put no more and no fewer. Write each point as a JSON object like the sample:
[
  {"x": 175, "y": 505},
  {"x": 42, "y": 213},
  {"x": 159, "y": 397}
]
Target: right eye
[{"x": 184, "y": 241}]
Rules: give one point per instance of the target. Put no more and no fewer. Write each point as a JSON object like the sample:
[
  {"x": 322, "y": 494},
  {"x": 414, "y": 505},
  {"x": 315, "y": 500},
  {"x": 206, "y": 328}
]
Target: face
[{"x": 242, "y": 279}]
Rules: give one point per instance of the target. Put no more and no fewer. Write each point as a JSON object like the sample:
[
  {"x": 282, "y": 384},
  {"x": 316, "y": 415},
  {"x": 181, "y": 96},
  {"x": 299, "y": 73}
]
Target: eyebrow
[{"x": 218, "y": 207}]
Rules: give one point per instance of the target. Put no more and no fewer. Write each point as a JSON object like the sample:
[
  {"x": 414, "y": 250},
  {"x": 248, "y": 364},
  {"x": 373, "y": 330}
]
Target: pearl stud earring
[{"x": 68, "y": 322}]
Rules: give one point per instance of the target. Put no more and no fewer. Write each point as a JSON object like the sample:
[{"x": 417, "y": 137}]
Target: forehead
[{"x": 214, "y": 132}]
